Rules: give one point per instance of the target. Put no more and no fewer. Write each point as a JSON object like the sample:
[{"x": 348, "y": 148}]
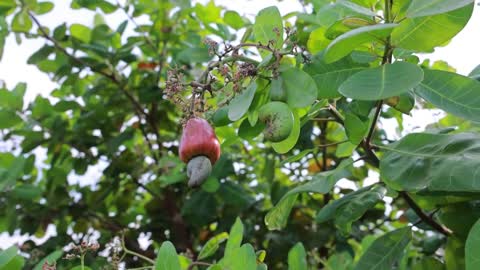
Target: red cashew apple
[{"x": 199, "y": 149}]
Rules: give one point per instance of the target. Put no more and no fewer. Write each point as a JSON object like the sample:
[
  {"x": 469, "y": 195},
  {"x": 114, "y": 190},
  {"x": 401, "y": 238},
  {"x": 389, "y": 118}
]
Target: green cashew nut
[{"x": 278, "y": 119}]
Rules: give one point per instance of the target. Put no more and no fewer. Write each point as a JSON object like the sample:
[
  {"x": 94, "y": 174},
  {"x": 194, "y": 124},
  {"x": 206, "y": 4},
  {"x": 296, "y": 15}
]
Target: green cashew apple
[
  {"x": 277, "y": 91},
  {"x": 278, "y": 120}
]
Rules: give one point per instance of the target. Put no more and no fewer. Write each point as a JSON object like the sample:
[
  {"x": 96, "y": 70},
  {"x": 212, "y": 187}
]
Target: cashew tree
[{"x": 231, "y": 140}]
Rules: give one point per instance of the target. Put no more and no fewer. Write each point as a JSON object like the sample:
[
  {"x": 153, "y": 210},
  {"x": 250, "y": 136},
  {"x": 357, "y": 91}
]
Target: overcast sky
[{"x": 463, "y": 53}]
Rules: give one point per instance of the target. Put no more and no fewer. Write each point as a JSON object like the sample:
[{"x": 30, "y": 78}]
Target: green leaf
[
  {"x": 321, "y": 183},
  {"x": 212, "y": 246},
  {"x": 13, "y": 100},
  {"x": 194, "y": 55},
  {"x": 6, "y": 6},
  {"x": 346, "y": 43},
  {"x": 403, "y": 103},
  {"x": 425, "y": 33},
  {"x": 385, "y": 250},
  {"x": 455, "y": 254},
  {"x": 329, "y": 77},
  {"x": 454, "y": 93},
  {"x": 238, "y": 107},
  {"x": 234, "y": 239},
  {"x": 81, "y": 32},
  {"x": 351, "y": 207},
  {"x": 233, "y": 19},
  {"x": 475, "y": 73},
  {"x": 16, "y": 263},
  {"x": 292, "y": 139},
  {"x": 436, "y": 162},
  {"x": 167, "y": 258},
  {"x": 247, "y": 132},
  {"x": 317, "y": 41},
  {"x": 43, "y": 7},
  {"x": 277, "y": 217},
  {"x": 269, "y": 26},
  {"x": 79, "y": 267},
  {"x": 21, "y": 22},
  {"x": 357, "y": 8},
  {"x": 13, "y": 171},
  {"x": 472, "y": 248},
  {"x": 27, "y": 192},
  {"x": 339, "y": 261},
  {"x": 382, "y": 82},
  {"x": 209, "y": 13},
  {"x": 300, "y": 87},
  {"x": 51, "y": 258},
  {"x": 297, "y": 258},
  {"x": 356, "y": 128},
  {"x": 6, "y": 256},
  {"x": 244, "y": 259},
  {"x": 428, "y": 263},
  {"x": 420, "y": 8},
  {"x": 357, "y": 206}
]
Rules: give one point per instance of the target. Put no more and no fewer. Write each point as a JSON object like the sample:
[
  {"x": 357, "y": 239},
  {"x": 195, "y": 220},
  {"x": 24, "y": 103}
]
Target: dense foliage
[{"x": 297, "y": 102}]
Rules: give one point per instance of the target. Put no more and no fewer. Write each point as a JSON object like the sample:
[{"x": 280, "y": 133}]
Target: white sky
[{"x": 463, "y": 53}]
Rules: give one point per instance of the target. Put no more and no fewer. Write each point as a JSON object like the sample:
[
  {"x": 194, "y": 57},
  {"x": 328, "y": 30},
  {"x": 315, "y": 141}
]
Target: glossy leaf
[
  {"x": 167, "y": 258},
  {"x": 21, "y": 22},
  {"x": 428, "y": 263},
  {"x": 244, "y": 259},
  {"x": 356, "y": 128},
  {"x": 346, "y": 43},
  {"x": 297, "y": 258},
  {"x": 455, "y": 254},
  {"x": 436, "y": 162},
  {"x": 239, "y": 105},
  {"x": 425, "y": 33},
  {"x": 277, "y": 217},
  {"x": 300, "y": 87},
  {"x": 385, "y": 250},
  {"x": 234, "y": 239},
  {"x": 50, "y": 258},
  {"x": 8, "y": 119},
  {"x": 195, "y": 55},
  {"x": 7, "y": 255},
  {"x": 212, "y": 245},
  {"x": 382, "y": 82},
  {"x": 420, "y": 8},
  {"x": 43, "y": 7},
  {"x": 472, "y": 248},
  {"x": 451, "y": 92},
  {"x": 269, "y": 26},
  {"x": 329, "y": 77},
  {"x": 321, "y": 183},
  {"x": 81, "y": 32},
  {"x": 233, "y": 19},
  {"x": 351, "y": 207}
]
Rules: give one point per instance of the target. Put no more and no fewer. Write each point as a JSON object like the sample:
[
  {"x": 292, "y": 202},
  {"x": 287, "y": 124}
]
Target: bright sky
[{"x": 462, "y": 53}]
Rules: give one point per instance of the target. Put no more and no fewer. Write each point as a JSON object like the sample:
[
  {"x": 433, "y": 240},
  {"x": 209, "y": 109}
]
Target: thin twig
[
  {"x": 133, "y": 252},
  {"x": 426, "y": 218},
  {"x": 374, "y": 123},
  {"x": 197, "y": 263}
]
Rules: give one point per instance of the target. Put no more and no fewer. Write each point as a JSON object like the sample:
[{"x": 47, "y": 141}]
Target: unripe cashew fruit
[
  {"x": 277, "y": 91},
  {"x": 278, "y": 120},
  {"x": 199, "y": 149}
]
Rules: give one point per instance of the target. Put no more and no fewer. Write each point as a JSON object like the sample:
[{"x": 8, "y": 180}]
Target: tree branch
[
  {"x": 426, "y": 218},
  {"x": 374, "y": 123}
]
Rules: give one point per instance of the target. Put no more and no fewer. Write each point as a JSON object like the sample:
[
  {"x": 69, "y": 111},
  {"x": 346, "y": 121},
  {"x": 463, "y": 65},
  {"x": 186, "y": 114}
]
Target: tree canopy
[{"x": 298, "y": 102}]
